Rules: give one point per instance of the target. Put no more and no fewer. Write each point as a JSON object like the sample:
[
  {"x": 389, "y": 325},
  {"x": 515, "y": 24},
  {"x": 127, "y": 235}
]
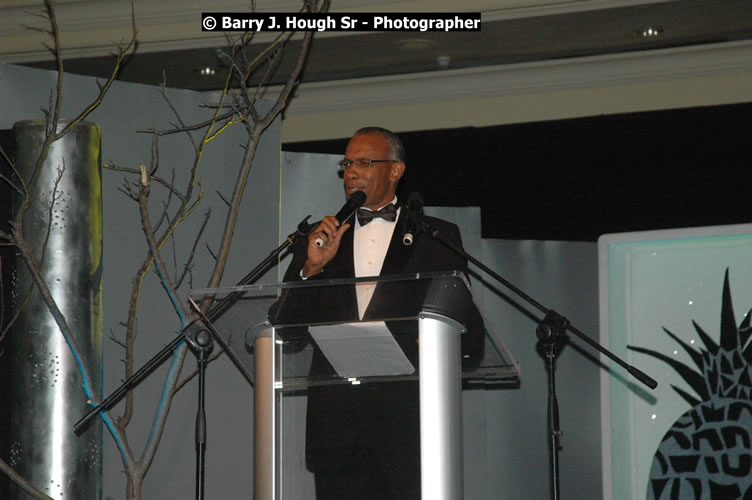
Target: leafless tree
[{"x": 238, "y": 107}]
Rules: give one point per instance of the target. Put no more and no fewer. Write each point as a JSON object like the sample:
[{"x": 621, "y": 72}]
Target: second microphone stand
[{"x": 550, "y": 332}]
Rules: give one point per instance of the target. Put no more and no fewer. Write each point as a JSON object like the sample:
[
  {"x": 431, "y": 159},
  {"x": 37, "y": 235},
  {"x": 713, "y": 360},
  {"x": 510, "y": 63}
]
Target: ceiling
[{"x": 512, "y": 32}]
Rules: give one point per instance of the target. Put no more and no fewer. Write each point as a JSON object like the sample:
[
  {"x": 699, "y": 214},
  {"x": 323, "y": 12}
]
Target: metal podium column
[
  {"x": 264, "y": 413},
  {"x": 440, "y": 408}
]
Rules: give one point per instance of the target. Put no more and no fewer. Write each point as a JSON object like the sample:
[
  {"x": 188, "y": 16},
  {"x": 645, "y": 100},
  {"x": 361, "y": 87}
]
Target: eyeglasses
[{"x": 360, "y": 163}]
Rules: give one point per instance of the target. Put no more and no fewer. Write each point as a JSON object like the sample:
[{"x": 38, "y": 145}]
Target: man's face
[{"x": 378, "y": 182}]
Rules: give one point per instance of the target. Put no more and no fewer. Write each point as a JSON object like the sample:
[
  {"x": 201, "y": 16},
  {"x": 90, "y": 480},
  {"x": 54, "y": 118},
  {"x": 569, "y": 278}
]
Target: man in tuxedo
[{"x": 364, "y": 441}]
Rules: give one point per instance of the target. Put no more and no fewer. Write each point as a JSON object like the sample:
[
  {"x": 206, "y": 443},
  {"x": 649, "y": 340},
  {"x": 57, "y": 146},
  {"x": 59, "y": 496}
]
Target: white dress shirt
[{"x": 370, "y": 244}]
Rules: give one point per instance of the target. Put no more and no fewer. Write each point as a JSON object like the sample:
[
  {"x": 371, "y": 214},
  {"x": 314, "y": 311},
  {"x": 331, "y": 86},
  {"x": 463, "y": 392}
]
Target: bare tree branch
[
  {"x": 168, "y": 185},
  {"x": 17, "y": 313},
  {"x": 50, "y": 212},
  {"x": 2, "y": 306},
  {"x": 116, "y": 340},
  {"x": 223, "y": 198},
  {"x": 196, "y": 240},
  {"x": 21, "y": 482},
  {"x": 163, "y": 91},
  {"x": 12, "y": 185},
  {"x": 19, "y": 189},
  {"x": 231, "y": 110},
  {"x": 54, "y": 114},
  {"x": 166, "y": 207},
  {"x": 255, "y": 133},
  {"x": 16, "y": 237},
  {"x": 60, "y": 320},
  {"x": 177, "y": 359}
]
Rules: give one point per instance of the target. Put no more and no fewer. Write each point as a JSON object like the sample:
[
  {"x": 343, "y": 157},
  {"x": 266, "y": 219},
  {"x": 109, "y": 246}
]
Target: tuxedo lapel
[
  {"x": 398, "y": 254},
  {"x": 396, "y": 261},
  {"x": 344, "y": 265}
]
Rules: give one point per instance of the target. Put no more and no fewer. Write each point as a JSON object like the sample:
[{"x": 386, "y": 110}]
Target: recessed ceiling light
[
  {"x": 651, "y": 31},
  {"x": 415, "y": 44},
  {"x": 443, "y": 61}
]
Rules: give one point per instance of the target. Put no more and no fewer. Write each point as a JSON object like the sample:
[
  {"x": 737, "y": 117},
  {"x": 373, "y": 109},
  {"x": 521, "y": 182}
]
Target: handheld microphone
[
  {"x": 356, "y": 200},
  {"x": 414, "y": 218}
]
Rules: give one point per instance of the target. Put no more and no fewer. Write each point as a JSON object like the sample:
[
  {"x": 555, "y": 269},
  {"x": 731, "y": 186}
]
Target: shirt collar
[{"x": 394, "y": 201}]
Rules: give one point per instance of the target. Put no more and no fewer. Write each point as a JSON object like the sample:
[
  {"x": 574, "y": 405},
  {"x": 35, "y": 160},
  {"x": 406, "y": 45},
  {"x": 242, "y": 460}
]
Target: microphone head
[
  {"x": 358, "y": 198},
  {"x": 415, "y": 200}
]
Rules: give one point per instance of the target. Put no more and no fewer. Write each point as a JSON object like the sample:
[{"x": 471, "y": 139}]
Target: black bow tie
[{"x": 388, "y": 213}]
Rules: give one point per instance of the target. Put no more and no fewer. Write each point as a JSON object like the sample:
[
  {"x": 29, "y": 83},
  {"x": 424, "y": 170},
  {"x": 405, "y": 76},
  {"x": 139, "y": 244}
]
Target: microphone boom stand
[
  {"x": 549, "y": 332},
  {"x": 200, "y": 341}
]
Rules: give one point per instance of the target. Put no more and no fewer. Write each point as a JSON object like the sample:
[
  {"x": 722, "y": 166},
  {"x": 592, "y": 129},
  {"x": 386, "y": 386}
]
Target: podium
[{"x": 289, "y": 338}]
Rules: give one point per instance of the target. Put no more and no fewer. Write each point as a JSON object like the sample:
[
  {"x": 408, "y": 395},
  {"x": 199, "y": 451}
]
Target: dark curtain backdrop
[{"x": 576, "y": 179}]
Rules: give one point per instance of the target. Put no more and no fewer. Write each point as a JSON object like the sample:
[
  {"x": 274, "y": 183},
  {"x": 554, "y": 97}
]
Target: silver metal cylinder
[
  {"x": 266, "y": 416},
  {"x": 64, "y": 229},
  {"x": 440, "y": 408}
]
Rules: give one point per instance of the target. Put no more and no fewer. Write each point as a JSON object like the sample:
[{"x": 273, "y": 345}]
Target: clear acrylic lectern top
[{"x": 311, "y": 313}]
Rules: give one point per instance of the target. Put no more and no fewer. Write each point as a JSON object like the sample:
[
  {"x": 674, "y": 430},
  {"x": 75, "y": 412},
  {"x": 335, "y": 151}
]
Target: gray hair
[{"x": 395, "y": 144}]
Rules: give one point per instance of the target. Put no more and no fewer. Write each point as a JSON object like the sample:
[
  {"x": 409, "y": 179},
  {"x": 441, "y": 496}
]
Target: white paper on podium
[{"x": 364, "y": 349}]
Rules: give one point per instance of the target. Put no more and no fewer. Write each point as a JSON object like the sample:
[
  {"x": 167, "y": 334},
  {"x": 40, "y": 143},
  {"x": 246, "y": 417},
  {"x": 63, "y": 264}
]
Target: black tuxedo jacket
[{"x": 345, "y": 423}]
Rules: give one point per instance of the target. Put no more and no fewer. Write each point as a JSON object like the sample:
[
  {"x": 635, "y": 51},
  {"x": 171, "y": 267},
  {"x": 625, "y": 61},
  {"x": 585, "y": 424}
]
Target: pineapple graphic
[{"x": 707, "y": 452}]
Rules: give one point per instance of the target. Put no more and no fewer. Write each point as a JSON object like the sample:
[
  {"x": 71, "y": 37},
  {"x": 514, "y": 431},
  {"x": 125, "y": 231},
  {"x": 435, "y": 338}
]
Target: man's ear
[{"x": 397, "y": 171}]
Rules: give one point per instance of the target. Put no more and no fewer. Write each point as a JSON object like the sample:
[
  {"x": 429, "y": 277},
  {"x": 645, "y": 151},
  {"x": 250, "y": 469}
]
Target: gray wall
[
  {"x": 505, "y": 430},
  {"x": 562, "y": 276}
]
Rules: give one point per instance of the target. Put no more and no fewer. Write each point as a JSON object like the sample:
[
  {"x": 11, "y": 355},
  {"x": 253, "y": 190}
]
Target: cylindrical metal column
[
  {"x": 440, "y": 408},
  {"x": 265, "y": 413},
  {"x": 64, "y": 229}
]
